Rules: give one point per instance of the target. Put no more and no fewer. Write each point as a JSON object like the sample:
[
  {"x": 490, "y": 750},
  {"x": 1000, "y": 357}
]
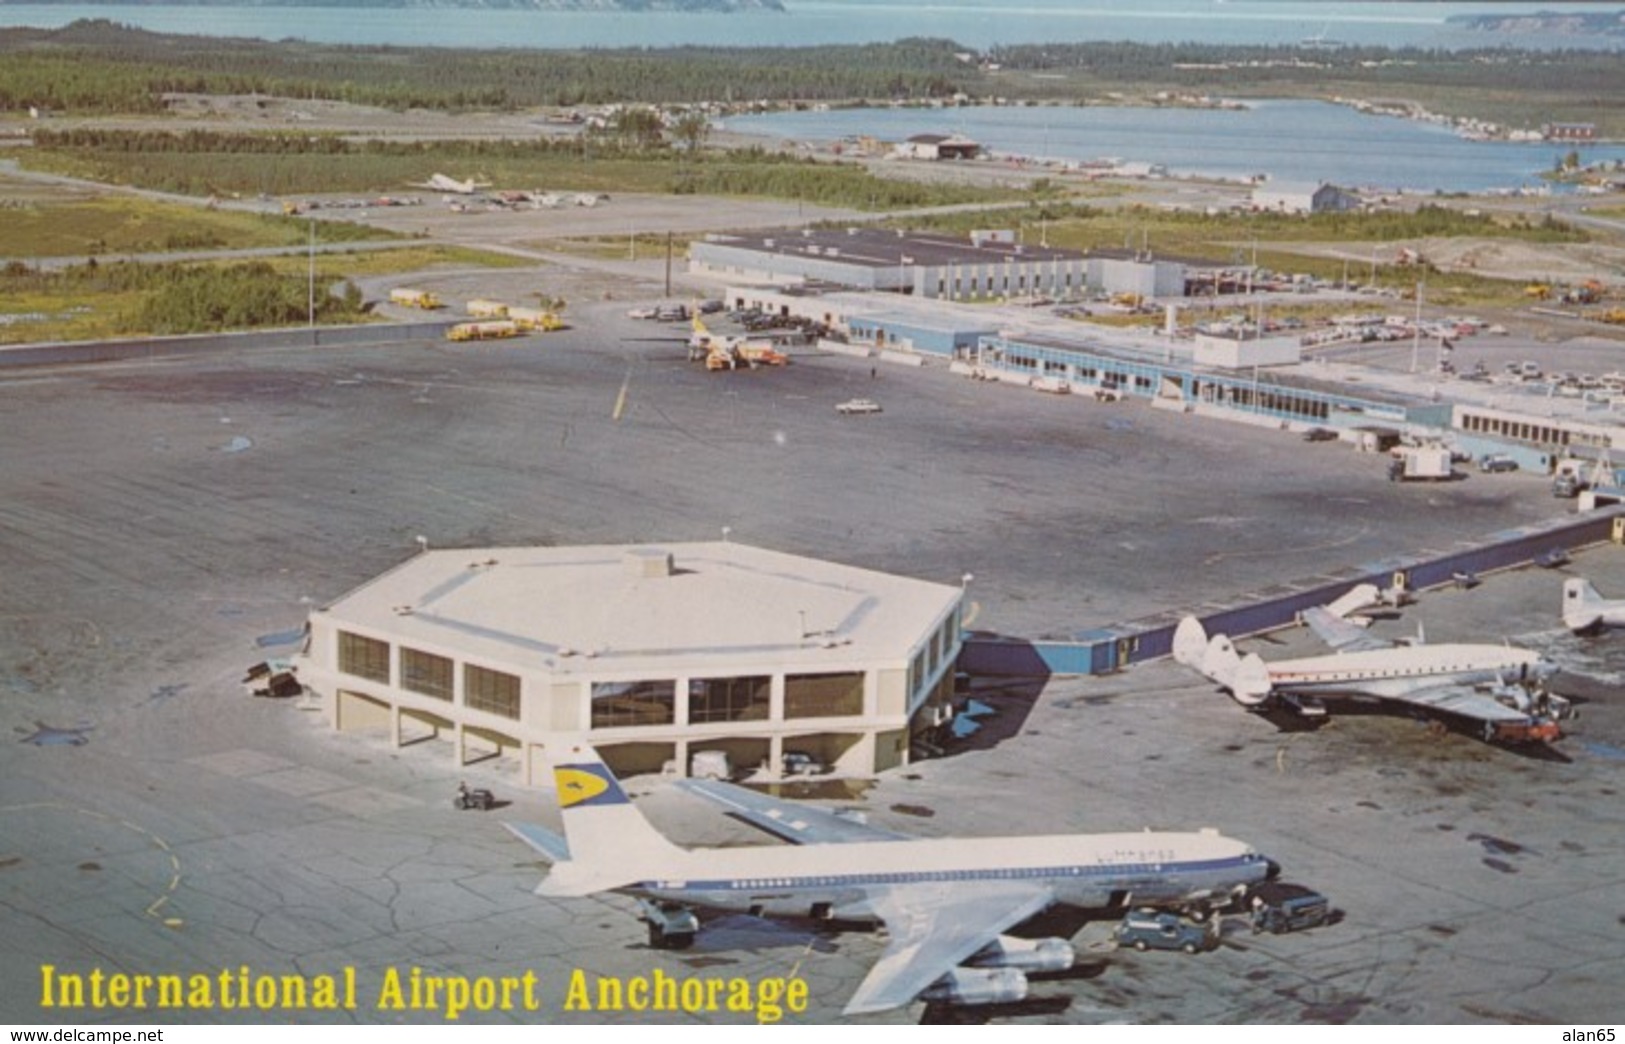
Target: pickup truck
[{"x": 855, "y": 406}]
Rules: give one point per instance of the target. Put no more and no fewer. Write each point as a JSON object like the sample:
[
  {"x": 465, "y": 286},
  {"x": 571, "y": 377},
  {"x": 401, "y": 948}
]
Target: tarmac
[{"x": 168, "y": 523}]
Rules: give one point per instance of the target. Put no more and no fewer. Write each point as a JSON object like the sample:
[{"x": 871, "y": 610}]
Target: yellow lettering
[
  {"x": 609, "y": 993},
  {"x": 576, "y": 997},
  {"x": 389, "y": 994},
  {"x": 118, "y": 991},
  {"x": 795, "y": 996},
  {"x": 457, "y": 996},
  {"x": 171, "y": 992}
]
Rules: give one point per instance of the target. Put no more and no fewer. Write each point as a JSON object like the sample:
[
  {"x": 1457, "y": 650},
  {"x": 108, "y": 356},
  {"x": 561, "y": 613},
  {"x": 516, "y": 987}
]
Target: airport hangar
[
  {"x": 653, "y": 653},
  {"x": 986, "y": 265}
]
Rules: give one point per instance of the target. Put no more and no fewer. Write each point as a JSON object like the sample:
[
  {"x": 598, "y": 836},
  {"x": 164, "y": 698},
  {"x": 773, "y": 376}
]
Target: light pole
[
  {"x": 311, "y": 295},
  {"x": 1416, "y": 327}
]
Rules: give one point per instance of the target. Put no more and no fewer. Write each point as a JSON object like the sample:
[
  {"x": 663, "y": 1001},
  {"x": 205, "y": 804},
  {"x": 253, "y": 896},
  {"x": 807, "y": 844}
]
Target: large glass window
[
  {"x": 619, "y": 705},
  {"x": 426, "y": 673},
  {"x": 729, "y": 699},
  {"x": 823, "y": 695},
  {"x": 491, "y": 691},
  {"x": 364, "y": 657}
]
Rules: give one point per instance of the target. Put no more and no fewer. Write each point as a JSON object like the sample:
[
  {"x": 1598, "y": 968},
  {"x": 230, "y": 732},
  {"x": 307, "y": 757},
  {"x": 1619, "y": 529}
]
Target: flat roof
[
  {"x": 599, "y": 610},
  {"x": 880, "y": 248}
]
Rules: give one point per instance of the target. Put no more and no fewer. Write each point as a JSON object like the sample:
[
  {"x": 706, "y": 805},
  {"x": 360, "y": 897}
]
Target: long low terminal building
[
  {"x": 988, "y": 265},
  {"x": 654, "y": 654}
]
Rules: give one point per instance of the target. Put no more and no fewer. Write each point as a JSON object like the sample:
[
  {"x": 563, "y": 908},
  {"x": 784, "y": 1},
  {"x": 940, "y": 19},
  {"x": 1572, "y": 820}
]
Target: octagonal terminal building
[{"x": 653, "y": 653}]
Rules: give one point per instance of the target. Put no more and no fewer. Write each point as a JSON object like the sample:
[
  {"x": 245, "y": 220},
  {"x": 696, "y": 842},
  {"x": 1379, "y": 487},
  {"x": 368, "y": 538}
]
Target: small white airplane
[
  {"x": 1499, "y": 686},
  {"x": 442, "y": 183},
  {"x": 946, "y": 902},
  {"x": 1587, "y": 612}
]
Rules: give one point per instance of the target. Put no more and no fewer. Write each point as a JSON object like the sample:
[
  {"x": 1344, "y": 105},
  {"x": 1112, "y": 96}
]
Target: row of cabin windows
[{"x": 913, "y": 876}]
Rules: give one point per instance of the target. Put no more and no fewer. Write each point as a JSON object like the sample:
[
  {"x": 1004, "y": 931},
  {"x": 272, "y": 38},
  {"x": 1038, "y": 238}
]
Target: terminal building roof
[
  {"x": 881, "y": 248},
  {"x": 597, "y": 610}
]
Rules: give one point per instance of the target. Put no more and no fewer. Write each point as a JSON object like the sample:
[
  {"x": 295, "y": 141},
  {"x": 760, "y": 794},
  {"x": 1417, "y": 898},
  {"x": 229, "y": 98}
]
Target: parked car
[
  {"x": 851, "y": 406},
  {"x": 1280, "y": 907},
  {"x": 1497, "y": 462},
  {"x": 800, "y": 763},
  {"x": 1162, "y": 930},
  {"x": 1320, "y": 435}
]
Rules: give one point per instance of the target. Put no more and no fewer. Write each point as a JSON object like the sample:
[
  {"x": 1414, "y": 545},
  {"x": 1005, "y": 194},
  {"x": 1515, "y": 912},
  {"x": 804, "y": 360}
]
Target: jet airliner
[{"x": 945, "y": 902}]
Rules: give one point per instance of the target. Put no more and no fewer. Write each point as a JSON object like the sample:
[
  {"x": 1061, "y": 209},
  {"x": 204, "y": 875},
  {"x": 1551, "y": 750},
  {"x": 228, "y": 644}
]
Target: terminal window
[
  {"x": 729, "y": 699},
  {"x": 823, "y": 695},
  {"x": 364, "y": 657},
  {"x": 426, "y": 673},
  {"x": 491, "y": 691},
  {"x": 619, "y": 705}
]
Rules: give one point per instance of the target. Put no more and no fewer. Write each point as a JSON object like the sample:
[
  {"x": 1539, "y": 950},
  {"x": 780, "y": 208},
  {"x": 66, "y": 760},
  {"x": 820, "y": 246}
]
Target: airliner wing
[
  {"x": 1339, "y": 633},
  {"x": 1466, "y": 702},
  {"x": 543, "y": 840},
  {"x": 933, "y": 927},
  {"x": 797, "y": 823}
]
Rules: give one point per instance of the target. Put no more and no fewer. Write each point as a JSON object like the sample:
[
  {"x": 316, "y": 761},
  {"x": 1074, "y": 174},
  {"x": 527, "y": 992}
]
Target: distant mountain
[
  {"x": 1568, "y": 23},
  {"x": 690, "y": 6}
]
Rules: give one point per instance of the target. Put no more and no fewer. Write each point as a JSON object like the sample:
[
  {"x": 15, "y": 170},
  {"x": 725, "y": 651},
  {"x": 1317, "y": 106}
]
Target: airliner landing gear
[{"x": 672, "y": 926}]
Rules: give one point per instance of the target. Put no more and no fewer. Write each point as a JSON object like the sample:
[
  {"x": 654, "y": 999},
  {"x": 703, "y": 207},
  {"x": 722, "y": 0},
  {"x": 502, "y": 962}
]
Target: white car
[
  {"x": 646, "y": 312},
  {"x": 858, "y": 406}
]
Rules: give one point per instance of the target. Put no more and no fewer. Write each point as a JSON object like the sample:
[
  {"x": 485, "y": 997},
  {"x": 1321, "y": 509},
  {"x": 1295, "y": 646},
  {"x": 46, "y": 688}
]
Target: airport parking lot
[{"x": 160, "y": 517}]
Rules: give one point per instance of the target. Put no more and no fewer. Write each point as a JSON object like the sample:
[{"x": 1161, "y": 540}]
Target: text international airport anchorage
[{"x": 768, "y": 998}]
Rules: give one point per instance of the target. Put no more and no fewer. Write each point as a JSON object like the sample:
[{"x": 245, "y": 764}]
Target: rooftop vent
[{"x": 648, "y": 562}]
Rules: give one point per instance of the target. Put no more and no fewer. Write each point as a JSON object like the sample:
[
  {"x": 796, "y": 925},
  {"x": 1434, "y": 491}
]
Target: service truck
[
  {"x": 411, "y": 297},
  {"x": 487, "y": 330},
  {"x": 1420, "y": 464}
]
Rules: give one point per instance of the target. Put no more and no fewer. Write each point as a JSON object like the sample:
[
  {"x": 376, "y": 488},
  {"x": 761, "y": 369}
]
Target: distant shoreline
[{"x": 558, "y": 6}]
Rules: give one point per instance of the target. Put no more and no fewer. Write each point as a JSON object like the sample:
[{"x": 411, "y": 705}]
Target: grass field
[
  {"x": 34, "y": 309},
  {"x": 743, "y": 173},
  {"x": 125, "y": 225}
]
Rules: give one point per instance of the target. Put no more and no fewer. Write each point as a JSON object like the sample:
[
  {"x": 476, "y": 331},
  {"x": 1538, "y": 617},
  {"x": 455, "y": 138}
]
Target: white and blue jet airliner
[{"x": 945, "y": 902}]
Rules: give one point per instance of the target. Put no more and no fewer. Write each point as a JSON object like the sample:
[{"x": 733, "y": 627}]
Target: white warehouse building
[{"x": 654, "y": 654}]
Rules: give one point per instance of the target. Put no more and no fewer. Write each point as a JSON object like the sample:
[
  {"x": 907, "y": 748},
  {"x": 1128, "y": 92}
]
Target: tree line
[
  {"x": 98, "y": 66},
  {"x": 185, "y": 298}
]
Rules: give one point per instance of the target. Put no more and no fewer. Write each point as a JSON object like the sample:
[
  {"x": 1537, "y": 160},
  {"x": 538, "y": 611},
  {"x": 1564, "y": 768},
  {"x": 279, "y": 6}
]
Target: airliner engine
[{"x": 978, "y": 986}]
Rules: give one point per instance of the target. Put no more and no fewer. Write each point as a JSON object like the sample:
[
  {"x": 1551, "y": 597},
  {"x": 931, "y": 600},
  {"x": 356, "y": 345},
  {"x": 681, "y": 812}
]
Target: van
[{"x": 1279, "y": 907}]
